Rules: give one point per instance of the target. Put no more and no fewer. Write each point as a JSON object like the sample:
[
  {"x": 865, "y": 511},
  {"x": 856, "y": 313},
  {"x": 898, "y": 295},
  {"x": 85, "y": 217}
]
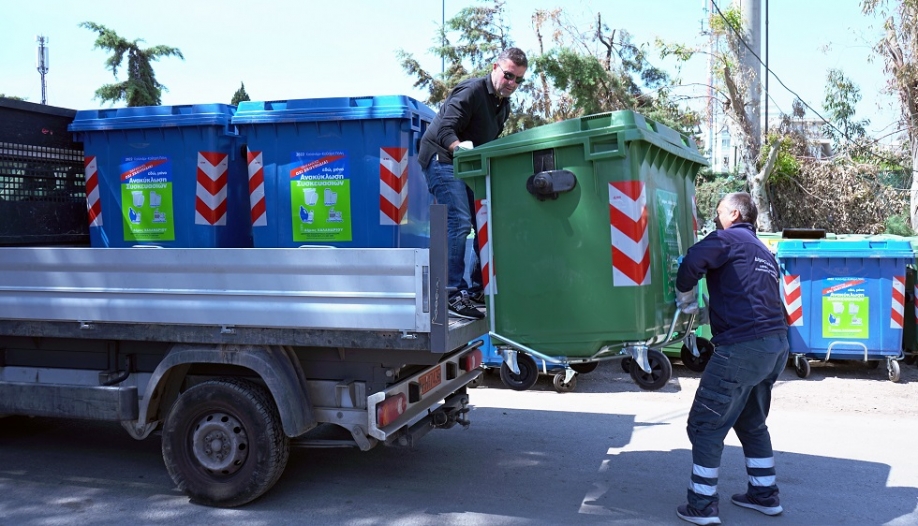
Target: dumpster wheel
[
  {"x": 697, "y": 363},
  {"x": 626, "y": 364},
  {"x": 892, "y": 367},
  {"x": 529, "y": 373},
  {"x": 564, "y": 387},
  {"x": 585, "y": 367},
  {"x": 661, "y": 370},
  {"x": 801, "y": 366}
]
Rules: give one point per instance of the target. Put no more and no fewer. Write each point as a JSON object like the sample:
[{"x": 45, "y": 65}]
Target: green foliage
[
  {"x": 13, "y": 97},
  {"x": 899, "y": 225},
  {"x": 730, "y": 22},
  {"x": 709, "y": 191},
  {"x": 141, "y": 87},
  {"x": 573, "y": 73},
  {"x": 841, "y": 97},
  {"x": 786, "y": 165},
  {"x": 240, "y": 95}
]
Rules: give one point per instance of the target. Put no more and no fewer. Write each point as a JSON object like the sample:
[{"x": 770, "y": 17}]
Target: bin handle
[{"x": 600, "y": 147}]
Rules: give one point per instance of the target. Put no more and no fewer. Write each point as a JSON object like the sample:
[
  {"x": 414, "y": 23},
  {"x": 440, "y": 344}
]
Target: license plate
[{"x": 430, "y": 379}]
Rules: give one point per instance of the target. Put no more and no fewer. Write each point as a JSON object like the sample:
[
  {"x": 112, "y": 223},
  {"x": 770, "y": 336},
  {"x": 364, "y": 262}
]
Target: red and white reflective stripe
[
  {"x": 93, "y": 193},
  {"x": 257, "y": 206},
  {"x": 484, "y": 247},
  {"x": 630, "y": 237},
  {"x": 210, "y": 191},
  {"x": 897, "y": 316},
  {"x": 393, "y": 186},
  {"x": 793, "y": 300}
]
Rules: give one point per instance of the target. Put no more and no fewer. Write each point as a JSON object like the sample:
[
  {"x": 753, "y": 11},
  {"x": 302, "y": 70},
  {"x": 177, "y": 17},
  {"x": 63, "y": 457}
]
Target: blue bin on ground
[
  {"x": 845, "y": 299},
  {"x": 337, "y": 171},
  {"x": 170, "y": 176}
]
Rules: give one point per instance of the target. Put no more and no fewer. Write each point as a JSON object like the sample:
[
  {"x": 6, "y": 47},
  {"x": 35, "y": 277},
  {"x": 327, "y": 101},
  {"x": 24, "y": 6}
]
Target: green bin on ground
[{"x": 586, "y": 220}]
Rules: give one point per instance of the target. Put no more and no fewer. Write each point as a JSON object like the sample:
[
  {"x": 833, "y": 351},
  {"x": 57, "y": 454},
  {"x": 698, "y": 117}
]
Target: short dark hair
[
  {"x": 515, "y": 55},
  {"x": 742, "y": 202}
]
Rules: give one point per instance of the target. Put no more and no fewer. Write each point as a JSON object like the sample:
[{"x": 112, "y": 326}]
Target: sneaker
[
  {"x": 477, "y": 299},
  {"x": 461, "y": 307},
  {"x": 706, "y": 516},
  {"x": 769, "y": 506}
]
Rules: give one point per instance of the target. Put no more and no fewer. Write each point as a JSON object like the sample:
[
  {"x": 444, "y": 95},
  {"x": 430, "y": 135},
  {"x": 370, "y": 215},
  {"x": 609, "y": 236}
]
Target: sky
[{"x": 285, "y": 49}]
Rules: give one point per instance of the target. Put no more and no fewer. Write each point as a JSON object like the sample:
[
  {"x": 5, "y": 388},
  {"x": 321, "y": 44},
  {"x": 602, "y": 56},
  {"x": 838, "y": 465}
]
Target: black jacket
[
  {"x": 472, "y": 112},
  {"x": 743, "y": 284}
]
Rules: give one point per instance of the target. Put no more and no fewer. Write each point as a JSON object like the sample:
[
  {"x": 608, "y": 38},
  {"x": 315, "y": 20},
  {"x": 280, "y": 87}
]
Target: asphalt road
[{"x": 607, "y": 453}]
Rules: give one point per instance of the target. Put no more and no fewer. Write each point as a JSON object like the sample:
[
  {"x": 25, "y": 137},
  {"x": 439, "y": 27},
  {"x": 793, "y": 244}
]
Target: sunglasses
[{"x": 511, "y": 76}]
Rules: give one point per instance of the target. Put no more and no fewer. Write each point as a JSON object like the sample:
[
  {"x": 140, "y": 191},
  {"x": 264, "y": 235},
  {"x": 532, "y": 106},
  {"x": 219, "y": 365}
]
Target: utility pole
[{"x": 42, "y": 65}]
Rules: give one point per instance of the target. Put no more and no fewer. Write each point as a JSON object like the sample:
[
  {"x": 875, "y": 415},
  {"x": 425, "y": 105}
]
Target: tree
[
  {"x": 12, "y": 97},
  {"x": 899, "y": 49},
  {"x": 240, "y": 95},
  {"x": 573, "y": 72},
  {"x": 141, "y": 87},
  {"x": 841, "y": 97}
]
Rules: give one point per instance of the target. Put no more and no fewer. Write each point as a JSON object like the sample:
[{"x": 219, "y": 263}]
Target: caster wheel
[
  {"x": 476, "y": 382},
  {"x": 626, "y": 364},
  {"x": 801, "y": 366},
  {"x": 564, "y": 387},
  {"x": 697, "y": 364},
  {"x": 529, "y": 373},
  {"x": 892, "y": 368},
  {"x": 661, "y": 370},
  {"x": 910, "y": 359}
]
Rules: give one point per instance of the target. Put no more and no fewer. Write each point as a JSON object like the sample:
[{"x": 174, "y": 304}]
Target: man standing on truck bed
[
  {"x": 750, "y": 337},
  {"x": 474, "y": 113}
]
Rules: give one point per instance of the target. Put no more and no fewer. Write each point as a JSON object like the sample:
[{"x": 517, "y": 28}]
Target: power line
[{"x": 768, "y": 71}]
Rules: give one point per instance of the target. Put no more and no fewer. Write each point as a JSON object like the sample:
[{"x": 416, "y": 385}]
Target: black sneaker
[
  {"x": 461, "y": 307},
  {"x": 769, "y": 506},
  {"x": 708, "y": 515},
  {"x": 477, "y": 299}
]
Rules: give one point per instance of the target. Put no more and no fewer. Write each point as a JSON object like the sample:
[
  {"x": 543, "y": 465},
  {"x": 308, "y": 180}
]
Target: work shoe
[
  {"x": 769, "y": 506},
  {"x": 477, "y": 298},
  {"x": 461, "y": 307},
  {"x": 706, "y": 516}
]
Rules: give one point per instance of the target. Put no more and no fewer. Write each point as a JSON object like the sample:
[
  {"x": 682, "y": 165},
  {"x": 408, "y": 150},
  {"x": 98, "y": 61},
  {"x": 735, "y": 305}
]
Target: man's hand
[{"x": 687, "y": 302}]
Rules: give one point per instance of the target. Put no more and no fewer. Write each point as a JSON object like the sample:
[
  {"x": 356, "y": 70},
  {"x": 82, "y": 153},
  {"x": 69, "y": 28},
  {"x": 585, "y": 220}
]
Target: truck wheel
[
  {"x": 223, "y": 443},
  {"x": 660, "y": 371},
  {"x": 705, "y": 349},
  {"x": 529, "y": 373}
]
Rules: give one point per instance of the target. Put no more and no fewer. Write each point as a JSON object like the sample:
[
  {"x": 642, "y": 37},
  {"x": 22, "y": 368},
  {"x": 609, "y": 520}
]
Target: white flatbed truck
[{"x": 233, "y": 353}]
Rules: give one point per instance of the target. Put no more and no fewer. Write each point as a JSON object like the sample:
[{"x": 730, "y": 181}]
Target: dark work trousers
[{"x": 735, "y": 392}]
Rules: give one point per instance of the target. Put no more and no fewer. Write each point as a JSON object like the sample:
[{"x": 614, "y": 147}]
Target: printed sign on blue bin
[
  {"x": 146, "y": 199},
  {"x": 320, "y": 197}
]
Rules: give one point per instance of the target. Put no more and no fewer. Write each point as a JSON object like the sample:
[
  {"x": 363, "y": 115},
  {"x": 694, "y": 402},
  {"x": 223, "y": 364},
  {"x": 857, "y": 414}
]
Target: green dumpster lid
[
  {"x": 875, "y": 247},
  {"x": 626, "y": 125}
]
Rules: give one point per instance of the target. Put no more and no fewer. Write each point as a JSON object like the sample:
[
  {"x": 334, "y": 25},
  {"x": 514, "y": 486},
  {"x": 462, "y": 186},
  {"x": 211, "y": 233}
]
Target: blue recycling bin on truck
[
  {"x": 845, "y": 299},
  {"x": 170, "y": 176},
  {"x": 337, "y": 171}
]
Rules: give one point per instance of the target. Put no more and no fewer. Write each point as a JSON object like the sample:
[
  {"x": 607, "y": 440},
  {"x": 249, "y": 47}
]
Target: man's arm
[
  {"x": 703, "y": 255},
  {"x": 455, "y": 117}
]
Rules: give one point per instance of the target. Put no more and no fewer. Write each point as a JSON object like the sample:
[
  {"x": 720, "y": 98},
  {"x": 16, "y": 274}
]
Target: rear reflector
[
  {"x": 471, "y": 361},
  {"x": 390, "y": 409}
]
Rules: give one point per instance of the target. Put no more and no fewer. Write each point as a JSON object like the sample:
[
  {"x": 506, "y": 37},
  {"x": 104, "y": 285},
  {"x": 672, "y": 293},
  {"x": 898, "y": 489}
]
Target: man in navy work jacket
[
  {"x": 750, "y": 337},
  {"x": 473, "y": 114}
]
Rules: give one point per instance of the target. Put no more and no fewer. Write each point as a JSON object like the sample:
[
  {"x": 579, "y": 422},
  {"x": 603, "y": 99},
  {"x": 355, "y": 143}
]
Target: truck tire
[{"x": 223, "y": 443}]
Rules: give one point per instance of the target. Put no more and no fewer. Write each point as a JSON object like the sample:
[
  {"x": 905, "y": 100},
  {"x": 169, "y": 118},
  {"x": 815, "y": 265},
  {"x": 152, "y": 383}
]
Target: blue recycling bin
[
  {"x": 845, "y": 299},
  {"x": 170, "y": 176},
  {"x": 337, "y": 171}
]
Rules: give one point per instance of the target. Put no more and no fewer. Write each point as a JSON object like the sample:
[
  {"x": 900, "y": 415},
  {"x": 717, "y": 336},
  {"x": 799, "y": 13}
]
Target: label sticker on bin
[
  {"x": 320, "y": 196},
  {"x": 146, "y": 199},
  {"x": 845, "y": 308}
]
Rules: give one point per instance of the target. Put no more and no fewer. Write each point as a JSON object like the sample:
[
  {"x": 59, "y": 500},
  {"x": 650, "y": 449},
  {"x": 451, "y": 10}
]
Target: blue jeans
[
  {"x": 735, "y": 392},
  {"x": 460, "y": 202}
]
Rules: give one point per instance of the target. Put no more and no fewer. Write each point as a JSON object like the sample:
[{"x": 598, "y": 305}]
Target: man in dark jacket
[
  {"x": 750, "y": 337},
  {"x": 473, "y": 114}
]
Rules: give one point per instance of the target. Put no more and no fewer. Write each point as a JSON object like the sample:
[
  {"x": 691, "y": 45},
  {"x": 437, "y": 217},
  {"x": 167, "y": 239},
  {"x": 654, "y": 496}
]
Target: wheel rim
[{"x": 220, "y": 444}]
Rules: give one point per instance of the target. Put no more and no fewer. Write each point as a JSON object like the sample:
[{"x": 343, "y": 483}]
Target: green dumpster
[
  {"x": 909, "y": 334},
  {"x": 585, "y": 219}
]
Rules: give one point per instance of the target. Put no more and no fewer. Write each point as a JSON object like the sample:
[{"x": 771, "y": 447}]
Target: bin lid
[
  {"x": 330, "y": 109},
  {"x": 879, "y": 247},
  {"x": 632, "y": 126},
  {"x": 152, "y": 117}
]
